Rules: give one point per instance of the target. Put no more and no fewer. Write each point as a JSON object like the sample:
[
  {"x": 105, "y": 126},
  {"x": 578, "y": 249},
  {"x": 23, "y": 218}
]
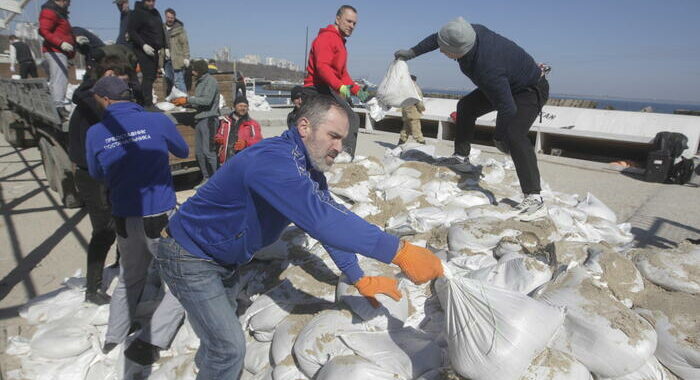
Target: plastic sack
[
  {"x": 353, "y": 367},
  {"x": 376, "y": 111},
  {"x": 617, "y": 272},
  {"x": 61, "y": 340},
  {"x": 257, "y": 356},
  {"x": 556, "y": 365},
  {"x": 319, "y": 341},
  {"x": 671, "y": 269},
  {"x": 175, "y": 93},
  {"x": 599, "y": 331},
  {"x": 594, "y": 207},
  {"x": 397, "y": 88},
  {"x": 165, "y": 106},
  {"x": 405, "y": 352},
  {"x": 651, "y": 370},
  {"x": 676, "y": 348},
  {"x": 493, "y": 333},
  {"x": 515, "y": 272}
]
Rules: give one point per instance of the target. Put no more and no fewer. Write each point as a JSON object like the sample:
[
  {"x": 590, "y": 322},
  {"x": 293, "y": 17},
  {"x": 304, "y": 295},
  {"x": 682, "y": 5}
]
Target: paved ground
[{"x": 42, "y": 243}]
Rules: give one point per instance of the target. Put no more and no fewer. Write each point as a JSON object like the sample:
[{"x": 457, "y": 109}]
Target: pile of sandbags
[{"x": 561, "y": 297}]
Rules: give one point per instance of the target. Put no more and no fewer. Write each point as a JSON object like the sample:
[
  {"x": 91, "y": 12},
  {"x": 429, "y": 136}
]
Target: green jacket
[
  {"x": 178, "y": 44},
  {"x": 206, "y": 97}
]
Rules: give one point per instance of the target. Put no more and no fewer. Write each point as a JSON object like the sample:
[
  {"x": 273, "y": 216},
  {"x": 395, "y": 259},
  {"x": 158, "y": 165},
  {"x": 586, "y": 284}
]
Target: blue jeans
[
  {"x": 177, "y": 77},
  {"x": 208, "y": 292}
]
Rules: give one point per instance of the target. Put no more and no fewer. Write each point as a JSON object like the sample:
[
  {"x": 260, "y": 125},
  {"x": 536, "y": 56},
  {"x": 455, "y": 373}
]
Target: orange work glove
[
  {"x": 181, "y": 101},
  {"x": 239, "y": 145},
  {"x": 369, "y": 286},
  {"x": 419, "y": 264}
]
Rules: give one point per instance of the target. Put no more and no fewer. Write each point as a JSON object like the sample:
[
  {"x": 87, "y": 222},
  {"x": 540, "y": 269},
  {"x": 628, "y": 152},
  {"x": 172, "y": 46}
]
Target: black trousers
[
  {"x": 529, "y": 103},
  {"x": 149, "y": 71},
  {"x": 350, "y": 141},
  {"x": 26, "y": 69},
  {"x": 94, "y": 195}
]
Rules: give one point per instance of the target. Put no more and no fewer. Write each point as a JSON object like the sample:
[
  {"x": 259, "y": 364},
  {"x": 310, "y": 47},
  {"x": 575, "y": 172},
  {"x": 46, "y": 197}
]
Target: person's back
[{"x": 132, "y": 147}]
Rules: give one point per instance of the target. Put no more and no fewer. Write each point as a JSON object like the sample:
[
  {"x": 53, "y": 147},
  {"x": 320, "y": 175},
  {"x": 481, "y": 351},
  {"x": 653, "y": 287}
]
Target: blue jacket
[
  {"x": 251, "y": 199},
  {"x": 129, "y": 151},
  {"x": 498, "y": 67}
]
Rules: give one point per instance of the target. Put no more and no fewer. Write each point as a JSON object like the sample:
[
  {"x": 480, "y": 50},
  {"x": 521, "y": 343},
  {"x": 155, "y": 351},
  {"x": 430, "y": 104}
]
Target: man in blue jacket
[
  {"x": 246, "y": 205},
  {"x": 128, "y": 150},
  {"x": 509, "y": 81}
]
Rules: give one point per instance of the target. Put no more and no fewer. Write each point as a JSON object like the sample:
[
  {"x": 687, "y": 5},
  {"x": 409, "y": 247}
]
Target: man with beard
[
  {"x": 237, "y": 131},
  {"x": 246, "y": 206},
  {"x": 147, "y": 37},
  {"x": 177, "y": 56}
]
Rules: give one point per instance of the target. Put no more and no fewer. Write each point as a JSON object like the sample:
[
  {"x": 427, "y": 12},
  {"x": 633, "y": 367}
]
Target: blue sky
[{"x": 632, "y": 49}]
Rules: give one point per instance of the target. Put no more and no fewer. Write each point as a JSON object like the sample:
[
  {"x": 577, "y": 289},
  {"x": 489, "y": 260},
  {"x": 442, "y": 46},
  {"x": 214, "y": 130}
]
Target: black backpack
[
  {"x": 672, "y": 142},
  {"x": 681, "y": 172}
]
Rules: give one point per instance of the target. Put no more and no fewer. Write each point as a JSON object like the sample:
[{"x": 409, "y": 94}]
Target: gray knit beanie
[{"x": 457, "y": 37}]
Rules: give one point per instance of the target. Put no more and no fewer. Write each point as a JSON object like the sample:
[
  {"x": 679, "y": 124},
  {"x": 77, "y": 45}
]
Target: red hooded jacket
[
  {"x": 328, "y": 61},
  {"x": 55, "y": 28}
]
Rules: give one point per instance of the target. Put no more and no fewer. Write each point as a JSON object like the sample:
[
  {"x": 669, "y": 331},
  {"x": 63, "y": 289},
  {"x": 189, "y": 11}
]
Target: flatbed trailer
[{"x": 28, "y": 118}]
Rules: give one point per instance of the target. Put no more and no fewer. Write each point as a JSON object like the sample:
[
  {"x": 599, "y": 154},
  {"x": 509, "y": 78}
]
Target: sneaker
[
  {"x": 142, "y": 352},
  {"x": 108, "y": 347},
  {"x": 531, "y": 208},
  {"x": 98, "y": 298},
  {"x": 204, "y": 181}
]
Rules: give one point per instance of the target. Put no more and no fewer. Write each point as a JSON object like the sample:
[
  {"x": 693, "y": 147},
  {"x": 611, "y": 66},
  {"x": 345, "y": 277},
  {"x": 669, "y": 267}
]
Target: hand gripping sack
[
  {"x": 397, "y": 88},
  {"x": 493, "y": 333}
]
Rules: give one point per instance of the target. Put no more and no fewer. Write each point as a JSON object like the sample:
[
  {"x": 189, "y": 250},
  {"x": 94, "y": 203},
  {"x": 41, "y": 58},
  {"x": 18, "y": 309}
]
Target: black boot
[
  {"x": 142, "y": 352},
  {"x": 97, "y": 297}
]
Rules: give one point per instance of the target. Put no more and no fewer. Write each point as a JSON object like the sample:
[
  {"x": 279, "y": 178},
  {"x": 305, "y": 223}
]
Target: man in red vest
[{"x": 327, "y": 71}]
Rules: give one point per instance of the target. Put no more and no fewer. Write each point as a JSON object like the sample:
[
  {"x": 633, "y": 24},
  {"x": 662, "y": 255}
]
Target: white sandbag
[
  {"x": 405, "y": 352},
  {"x": 319, "y": 341},
  {"x": 678, "y": 347},
  {"x": 406, "y": 195},
  {"x": 287, "y": 370},
  {"x": 391, "y": 312},
  {"x": 285, "y": 335},
  {"x": 407, "y": 172},
  {"x": 61, "y": 340},
  {"x": 180, "y": 367},
  {"x": 376, "y": 111},
  {"x": 358, "y": 192},
  {"x": 53, "y": 306},
  {"x": 493, "y": 172},
  {"x": 397, "y": 88},
  {"x": 676, "y": 269},
  {"x": 402, "y": 181},
  {"x": 617, "y": 272},
  {"x": 76, "y": 368},
  {"x": 599, "y": 331},
  {"x": 650, "y": 370},
  {"x": 257, "y": 356},
  {"x": 165, "y": 106},
  {"x": 556, "y": 365},
  {"x": 471, "y": 263},
  {"x": 477, "y": 237},
  {"x": 469, "y": 199},
  {"x": 175, "y": 93},
  {"x": 438, "y": 193},
  {"x": 515, "y": 272},
  {"x": 258, "y": 102},
  {"x": 493, "y": 333},
  {"x": 353, "y": 367},
  {"x": 594, "y": 207},
  {"x": 264, "y": 315},
  {"x": 365, "y": 209}
]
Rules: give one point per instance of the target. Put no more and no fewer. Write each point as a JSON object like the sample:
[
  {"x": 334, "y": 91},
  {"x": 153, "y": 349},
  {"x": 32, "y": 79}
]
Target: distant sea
[{"x": 620, "y": 104}]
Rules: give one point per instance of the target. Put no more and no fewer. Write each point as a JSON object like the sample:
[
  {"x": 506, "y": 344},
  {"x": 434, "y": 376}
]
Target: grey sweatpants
[
  {"x": 58, "y": 76},
  {"x": 137, "y": 239},
  {"x": 205, "y": 150}
]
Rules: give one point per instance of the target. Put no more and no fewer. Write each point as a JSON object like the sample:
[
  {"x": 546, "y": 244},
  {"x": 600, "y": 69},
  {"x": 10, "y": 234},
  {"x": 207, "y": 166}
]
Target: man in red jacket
[
  {"x": 327, "y": 71},
  {"x": 238, "y": 131},
  {"x": 58, "y": 47}
]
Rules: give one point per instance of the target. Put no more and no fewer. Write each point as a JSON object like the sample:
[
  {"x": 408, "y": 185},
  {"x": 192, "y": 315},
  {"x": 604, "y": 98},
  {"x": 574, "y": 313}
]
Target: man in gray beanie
[{"x": 509, "y": 81}]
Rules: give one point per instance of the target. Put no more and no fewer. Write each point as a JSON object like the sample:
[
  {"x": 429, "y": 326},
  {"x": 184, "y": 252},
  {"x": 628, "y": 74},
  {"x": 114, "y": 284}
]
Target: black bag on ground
[
  {"x": 659, "y": 164},
  {"x": 682, "y": 171},
  {"x": 667, "y": 146}
]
